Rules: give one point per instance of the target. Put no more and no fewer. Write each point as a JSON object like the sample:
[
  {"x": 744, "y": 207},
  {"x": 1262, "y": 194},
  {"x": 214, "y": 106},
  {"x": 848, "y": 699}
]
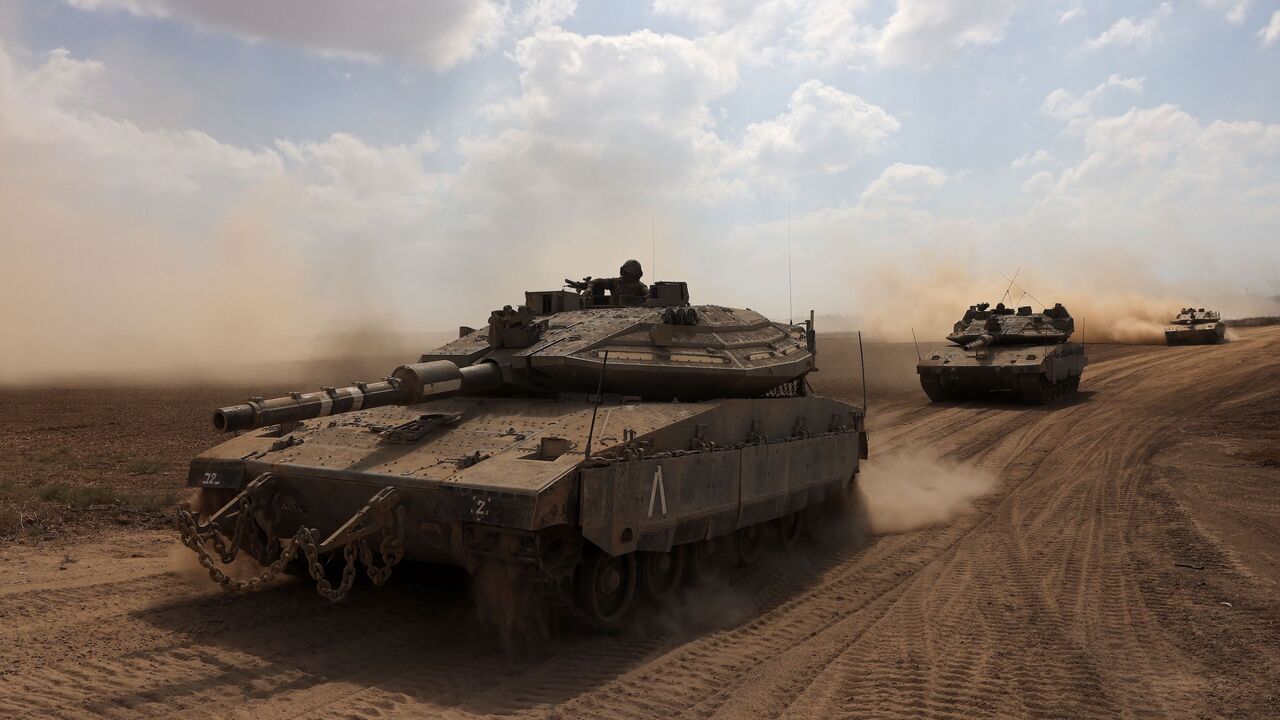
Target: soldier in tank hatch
[{"x": 628, "y": 282}]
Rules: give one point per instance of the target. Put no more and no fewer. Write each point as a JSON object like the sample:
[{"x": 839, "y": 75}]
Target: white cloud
[
  {"x": 353, "y": 187},
  {"x": 902, "y": 184},
  {"x": 1155, "y": 193},
  {"x": 1064, "y": 105},
  {"x": 1271, "y": 32},
  {"x": 52, "y": 128},
  {"x": 1038, "y": 183},
  {"x": 1235, "y": 9},
  {"x": 1031, "y": 159},
  {"x": 817, "y": 33},
  {"x": 1128, "y": 31},
  {"x": 439, "y": 34},
  {"x": 1161, "y": 173},
  {"x": 145, "y": 237},
  {"x": 822, "y": 128},
  {"x": 547, "y": 13},
  {"x": 1073, "y": 12},
  {"x": 714, "y": 14},
  {"x": 794, "y": 32},
  {"x": 602, "y": 124},
  {"x": 921, "y": 32}
]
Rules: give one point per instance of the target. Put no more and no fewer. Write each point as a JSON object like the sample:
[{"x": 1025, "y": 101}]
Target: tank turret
[
  {"x": 660, "y": 349},
  {"x": 1006, "y": 326}
]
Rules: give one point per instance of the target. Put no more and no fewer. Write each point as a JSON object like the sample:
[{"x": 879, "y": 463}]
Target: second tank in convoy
[
  {"x": 1003, "y": 349},
  {"x": 1195, "y": 326}
]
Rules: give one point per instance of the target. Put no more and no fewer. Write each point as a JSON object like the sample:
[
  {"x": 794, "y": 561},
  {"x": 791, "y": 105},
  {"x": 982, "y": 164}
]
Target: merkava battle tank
[
  {"x": 597, "y": 449},
  {"x": 1196, "y": 327},
  {"x": 1005, "y": 349}
]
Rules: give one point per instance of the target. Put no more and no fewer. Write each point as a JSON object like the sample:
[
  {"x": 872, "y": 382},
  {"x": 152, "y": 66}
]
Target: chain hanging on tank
[{"x": 354, "y": 552}]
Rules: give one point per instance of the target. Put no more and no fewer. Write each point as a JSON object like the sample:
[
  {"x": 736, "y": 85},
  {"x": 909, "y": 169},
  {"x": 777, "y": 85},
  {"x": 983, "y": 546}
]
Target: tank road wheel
[
  {"x": 933, "y": 388},
  {"x": 790, "y": 529},
  {"x": 660, "y": 572},
  {"x": 606, "y": 588},
  {"x": 750, "y": 541},
  {"x": 708, "y": 561},
  {"x": 1037, "y": 391},
  {"x": 817, "y": 520}
]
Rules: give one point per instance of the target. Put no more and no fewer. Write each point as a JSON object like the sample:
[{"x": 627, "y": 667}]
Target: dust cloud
[
  {"x": 1111, "y": 302},
  {"x": 913, "y": 489},
  {"x": 186, "y": 566},
  {"x": 94, "y": 294}
]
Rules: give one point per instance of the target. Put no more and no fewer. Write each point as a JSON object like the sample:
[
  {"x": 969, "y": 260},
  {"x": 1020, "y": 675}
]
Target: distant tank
[
  {"x": 1002, "y": 349},
  {"x": 1195, "y": 326},
  {"x": 592, "y": 447}
]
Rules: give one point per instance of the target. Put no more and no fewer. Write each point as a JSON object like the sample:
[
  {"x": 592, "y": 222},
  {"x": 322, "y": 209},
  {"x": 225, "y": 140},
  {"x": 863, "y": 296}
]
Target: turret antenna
[
  {"x": 790, "y": 316},
  {"x": 1006, "y": 290},
  {"x": 862, "y": 361},
  {"x": 1024, "y": 290},
  {"x": 917, "y": 343},
  {"x": 653, "y": 244}
]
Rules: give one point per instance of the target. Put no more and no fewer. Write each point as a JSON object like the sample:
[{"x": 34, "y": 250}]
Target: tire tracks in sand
[{"x": 1054, "y": 597}]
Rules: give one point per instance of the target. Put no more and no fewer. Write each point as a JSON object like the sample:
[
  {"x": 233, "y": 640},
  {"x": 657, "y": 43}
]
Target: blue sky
[{"x": 373, "y": 158}]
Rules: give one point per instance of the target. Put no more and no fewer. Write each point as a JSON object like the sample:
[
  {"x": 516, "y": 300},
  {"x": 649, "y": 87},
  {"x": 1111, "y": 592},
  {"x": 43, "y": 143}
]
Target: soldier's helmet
[{"x": 631, "y": 270}]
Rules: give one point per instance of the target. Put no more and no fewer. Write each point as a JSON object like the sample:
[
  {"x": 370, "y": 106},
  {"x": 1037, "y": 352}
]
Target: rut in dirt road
[{"x": 1057, "y": 596}]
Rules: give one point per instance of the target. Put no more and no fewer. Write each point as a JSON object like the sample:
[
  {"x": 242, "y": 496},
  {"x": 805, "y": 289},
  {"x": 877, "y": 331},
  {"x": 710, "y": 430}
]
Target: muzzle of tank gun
[
  {"x": 981, "y": 342},
  {"x": 408, "y": 384}
]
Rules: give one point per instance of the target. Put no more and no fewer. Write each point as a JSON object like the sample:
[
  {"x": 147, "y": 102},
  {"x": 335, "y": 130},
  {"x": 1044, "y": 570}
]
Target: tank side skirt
[{"x": 656, "y": 503}]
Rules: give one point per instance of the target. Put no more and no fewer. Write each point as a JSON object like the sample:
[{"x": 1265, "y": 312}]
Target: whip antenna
[
  {"x": 1024, "y": 290},
  {"x": 599, "y": 396},
  {"x": 917, "y": 343},
  {"x": 1010, "y": 285},
  {"x": 790, "y": 318},
  {"x": 862, "y": 360}
]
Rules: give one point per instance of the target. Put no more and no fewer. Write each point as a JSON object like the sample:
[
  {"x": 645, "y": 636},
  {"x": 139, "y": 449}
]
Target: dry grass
[{"x": 1253, "y": 321}]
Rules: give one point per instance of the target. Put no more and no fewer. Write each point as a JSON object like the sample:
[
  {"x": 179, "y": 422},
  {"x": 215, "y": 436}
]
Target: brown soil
[{"x": 1125, "y": 566}]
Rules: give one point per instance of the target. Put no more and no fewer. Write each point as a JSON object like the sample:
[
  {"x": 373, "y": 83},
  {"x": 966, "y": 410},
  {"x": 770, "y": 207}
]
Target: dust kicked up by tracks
[{"x": 1123, "y": 563}]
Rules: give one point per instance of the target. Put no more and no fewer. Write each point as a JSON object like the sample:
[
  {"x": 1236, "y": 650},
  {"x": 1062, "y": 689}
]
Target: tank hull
[
  {"x": 1195, "y": 334},
  {"x": 1036, "y": 373},
  {"x": 509, "y": 481}
]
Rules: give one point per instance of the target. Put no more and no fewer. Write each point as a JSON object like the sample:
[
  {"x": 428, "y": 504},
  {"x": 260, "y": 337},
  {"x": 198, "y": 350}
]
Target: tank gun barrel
[{"x": 407, "y": 385}]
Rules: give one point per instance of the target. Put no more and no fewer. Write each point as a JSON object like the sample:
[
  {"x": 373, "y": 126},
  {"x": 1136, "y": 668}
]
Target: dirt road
[{"x": 1127, "y": 565}]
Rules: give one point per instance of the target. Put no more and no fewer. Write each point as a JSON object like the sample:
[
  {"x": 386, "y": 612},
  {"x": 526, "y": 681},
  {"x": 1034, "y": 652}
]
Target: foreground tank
[
  {"x": 589, "y": 451},
  {"x": 1002, "y": 349},
  {"x": 1196, "y": 327}
]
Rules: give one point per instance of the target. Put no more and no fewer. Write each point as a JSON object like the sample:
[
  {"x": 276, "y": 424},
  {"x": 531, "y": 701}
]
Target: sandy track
[{"x": 1090, "y": 584}]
